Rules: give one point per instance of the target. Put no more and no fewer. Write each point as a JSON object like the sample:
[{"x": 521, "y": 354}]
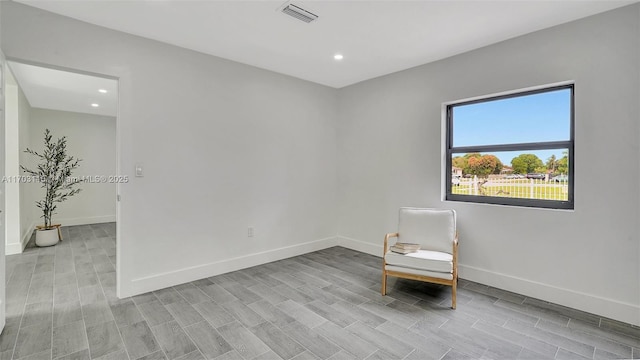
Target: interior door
[{"x": 3, "y": 270}]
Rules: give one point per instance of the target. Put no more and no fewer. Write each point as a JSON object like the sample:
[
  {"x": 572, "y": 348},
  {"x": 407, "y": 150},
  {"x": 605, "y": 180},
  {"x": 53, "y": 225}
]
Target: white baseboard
[
  {"x": 13, "y": 248},
  {"x": 85, "y": 220},
  {"x": 160, "y": 281},
  {"x": 27, "y": 236},
  {"x": 362, "y": 246},
  {"x": 610, "y": 308},
  {"x": 18, "y": 247}
]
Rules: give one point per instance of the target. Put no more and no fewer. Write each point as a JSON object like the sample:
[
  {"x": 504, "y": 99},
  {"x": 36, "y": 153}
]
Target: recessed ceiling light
[
  {"x": 95, "y": 105},
  {"x": 338, "y": 57},
  {"x": 102, "y": 91}
]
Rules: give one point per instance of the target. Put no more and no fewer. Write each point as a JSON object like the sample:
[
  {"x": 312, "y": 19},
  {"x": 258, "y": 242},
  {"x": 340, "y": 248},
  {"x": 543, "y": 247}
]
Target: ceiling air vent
[{"x": 299, "y": 13}]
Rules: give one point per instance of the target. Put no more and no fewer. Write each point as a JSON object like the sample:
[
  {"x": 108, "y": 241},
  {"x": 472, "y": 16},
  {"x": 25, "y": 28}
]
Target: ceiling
[
  {"x": 62, "y": 90},
  {"x": 375, "y": 37}
]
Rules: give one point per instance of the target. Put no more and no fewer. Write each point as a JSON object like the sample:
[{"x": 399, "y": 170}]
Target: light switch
[{"x": 139, "y": 170}]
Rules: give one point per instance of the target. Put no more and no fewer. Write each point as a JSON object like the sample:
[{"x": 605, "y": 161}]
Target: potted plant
[{"x": 53, "y": 172}]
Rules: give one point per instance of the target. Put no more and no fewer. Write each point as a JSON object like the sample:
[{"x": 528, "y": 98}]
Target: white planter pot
[{"x": 47, "y": 237}]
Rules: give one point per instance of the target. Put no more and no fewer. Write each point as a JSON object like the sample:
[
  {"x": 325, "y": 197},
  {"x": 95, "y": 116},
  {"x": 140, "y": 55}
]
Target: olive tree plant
[{"x": 53, "y": 172}]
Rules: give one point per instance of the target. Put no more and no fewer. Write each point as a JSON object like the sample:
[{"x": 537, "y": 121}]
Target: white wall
[
  {"x": 91, "y": 138},
  {"x": 390, "y": 146},
  {"x": 27, "y": 217},
  {"x": 12, "y": 169},
  {"x": 224, "y": 146},
  {"x": 19, "y": 219},
  {"x": 637, "y": 271}
]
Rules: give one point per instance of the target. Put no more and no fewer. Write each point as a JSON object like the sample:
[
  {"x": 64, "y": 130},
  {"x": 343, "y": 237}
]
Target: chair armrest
[
  {"x": 455, "y": 256},
  {"x": 386, "y": 242}
]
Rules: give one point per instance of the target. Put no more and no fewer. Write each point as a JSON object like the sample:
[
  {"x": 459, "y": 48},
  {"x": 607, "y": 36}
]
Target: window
[{"x": 514, "y": 149}]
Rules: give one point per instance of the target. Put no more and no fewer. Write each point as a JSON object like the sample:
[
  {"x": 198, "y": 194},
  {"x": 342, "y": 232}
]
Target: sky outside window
[{"x": 532, "y": 118}]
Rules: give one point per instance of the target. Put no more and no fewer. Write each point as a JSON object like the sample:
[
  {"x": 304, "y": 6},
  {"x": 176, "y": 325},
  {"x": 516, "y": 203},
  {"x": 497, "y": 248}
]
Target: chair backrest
[{"x": 433, "y": 229}]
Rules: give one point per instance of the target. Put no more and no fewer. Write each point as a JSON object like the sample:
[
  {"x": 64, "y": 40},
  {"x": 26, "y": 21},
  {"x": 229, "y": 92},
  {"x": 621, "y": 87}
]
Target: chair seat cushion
[
  {"x": 406, "y": 270},
  {"x": 426, "y": 260}
]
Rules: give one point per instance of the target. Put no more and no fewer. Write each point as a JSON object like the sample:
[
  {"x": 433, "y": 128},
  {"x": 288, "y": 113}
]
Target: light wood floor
[{"x": 61, "y": 304}]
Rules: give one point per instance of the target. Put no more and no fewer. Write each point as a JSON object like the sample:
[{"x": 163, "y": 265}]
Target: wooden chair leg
[
  {"x": 453, "y": 293},
  {"x": 384, "y": 283}
]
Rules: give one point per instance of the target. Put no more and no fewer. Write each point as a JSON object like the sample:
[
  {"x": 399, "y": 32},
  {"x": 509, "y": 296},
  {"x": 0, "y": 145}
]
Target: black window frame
[{"x": 546, "y": 145}]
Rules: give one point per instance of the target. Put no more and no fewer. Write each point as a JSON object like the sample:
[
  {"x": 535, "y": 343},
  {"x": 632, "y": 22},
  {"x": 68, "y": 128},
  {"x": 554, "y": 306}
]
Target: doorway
[{"x": 83, "y": 108}]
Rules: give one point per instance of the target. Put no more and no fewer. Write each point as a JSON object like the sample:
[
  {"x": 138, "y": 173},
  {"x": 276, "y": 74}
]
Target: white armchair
[{"x": 436, "y": 261}]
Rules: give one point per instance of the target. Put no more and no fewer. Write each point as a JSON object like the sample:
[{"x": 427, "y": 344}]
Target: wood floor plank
[
  {"x": 317, "y": 344},
  {"x": 168, "y": 296},
  {"x": 36, "y": 313},
  {"x": 139, "y": 339},
  {"x": 231, "y": 355},
  {"x": 104, "y": 339},
  {"x": 173, "y": 340},
  {"x": 125, "y": 312},
  {"x": 242, "y": 340},
  {"x": 301, "y": 313},
  {"x": 266, "y": 293},
  {"x": 389, "y": 314},
  {"x": 208, "y": 340},
  {"x": 155, "y": 313},
  {"x": 116, "y": 355},
  {"x": 32, "y": 340},
  {"x": 346, "y": 340},
  {"x": 68, "y": 339},
  {"x": 158, "y": 355},
  {"x": 530, "y": 343},
  {"x": 184, "y": 313},
  {"x": 79, "y": 355},
  {"x": 573, "y": 346},
  {"x": 241, "y": 292},
  {"x": 8, "y": 337},
  {"x": 96, "y": 313},
  {"x": 397, "y": 349},
  {"x": 277, "y": 340},
  {"x": 427, "y": 345},
  {"x": 331, "y": 314},
  {"x": 243, "y": 314},
  {"x": 273, "y": 314},
  {"x": 218, "y": 294},
  {"x": 214, "y": 313},
  {"x": 620, "y": 350},
  {"x": 191, "y": 293},
  {"x": 319, "y": 294}
]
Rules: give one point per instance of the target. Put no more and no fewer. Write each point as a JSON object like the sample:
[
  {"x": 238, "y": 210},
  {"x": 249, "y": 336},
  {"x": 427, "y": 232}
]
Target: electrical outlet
[{"x": 250, "y": 231}]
